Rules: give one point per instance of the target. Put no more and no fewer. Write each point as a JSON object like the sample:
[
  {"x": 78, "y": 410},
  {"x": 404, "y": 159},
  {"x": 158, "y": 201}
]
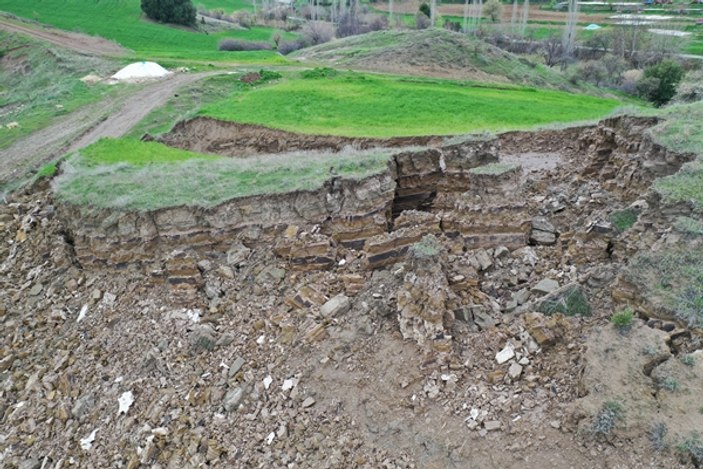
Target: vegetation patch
[
  {"x": 129, "y": 174},
  {"x": 607, "y": 418},
  {"x": 682, "y": 130},
  {"x": 672, "y": 280},
  {"x": 39, "y": 83},
  {"x": 623, "y": 320},
  {"x": 623, "y": 220},
  {"x": 689, "y": 226},
  {"x": 569, "y": 301},
  {"x": 692, "y": 449},
  {"x": 657, "y": 436},
  {"x": 360, "y": 105}
]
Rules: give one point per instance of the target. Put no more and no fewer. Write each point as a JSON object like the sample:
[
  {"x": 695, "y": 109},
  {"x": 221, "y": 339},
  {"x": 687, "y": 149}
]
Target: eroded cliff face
[
  {"x": 423, "y": 191},
  {"x": 207, "y": 135}
]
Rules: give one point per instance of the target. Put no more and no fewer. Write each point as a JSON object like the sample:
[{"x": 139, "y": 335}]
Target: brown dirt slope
[{"x": 82, "y": 43}]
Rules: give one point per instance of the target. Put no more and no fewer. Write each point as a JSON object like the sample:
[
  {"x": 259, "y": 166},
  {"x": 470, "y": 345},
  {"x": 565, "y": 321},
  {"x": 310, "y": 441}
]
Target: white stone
[
  {"x": 82, "y": 314},
  {"x": 506, "y": 354},
  {"x": 87, "y": 442},
  {"x": 515, "y": 371},
  {"x": 267, "y": 381},
  {"x": 125, "y": 401}
]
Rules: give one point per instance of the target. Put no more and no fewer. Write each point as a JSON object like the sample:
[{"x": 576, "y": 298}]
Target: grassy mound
[
  {"x": 122, "y": 21},
  {"x": 39, "y": 83},
  {"x": 435, "y": 52},
  {"x": 359, "y": 105},
  {"x": 129, "y": 174}
]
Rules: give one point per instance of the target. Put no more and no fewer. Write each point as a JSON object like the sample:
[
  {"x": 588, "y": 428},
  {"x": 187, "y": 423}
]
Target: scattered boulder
[
  {"x": 340, "y": 304},
  {"x": 542, "y": 232},
  {"x": 545, "y": 287}
]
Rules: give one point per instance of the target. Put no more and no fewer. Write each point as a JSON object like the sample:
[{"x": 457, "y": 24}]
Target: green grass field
[
  {"x": 129, "y": 174},
  {"x": 352, "y": 104},
  {"x": 122, "y": 21},
  {"x": 185, "y": 104}
]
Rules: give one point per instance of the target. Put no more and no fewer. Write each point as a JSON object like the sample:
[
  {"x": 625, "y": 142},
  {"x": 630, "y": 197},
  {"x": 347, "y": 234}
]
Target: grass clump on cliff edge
[{"x": 129, "y": 174}]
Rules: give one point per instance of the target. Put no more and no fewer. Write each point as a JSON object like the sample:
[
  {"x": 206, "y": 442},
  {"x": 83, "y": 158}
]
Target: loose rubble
[{"x": 424, "y": 317}]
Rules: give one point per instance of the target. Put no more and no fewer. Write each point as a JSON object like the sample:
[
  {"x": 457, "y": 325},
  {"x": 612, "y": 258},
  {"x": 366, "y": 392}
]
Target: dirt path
[
  {"x": 82, "y": 43},
  {"x": 112, "y": 117}
]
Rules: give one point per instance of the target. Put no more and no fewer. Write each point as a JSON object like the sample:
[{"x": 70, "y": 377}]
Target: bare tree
[
  {"x": 525, "y": 16},
  {"x": 513, "y": 18},
  {"x": 553, "y": 50},
  {"x": 570, "y": 30},
  {"x": 433, "y": 13},
  {"x": 466, "y": 15},
  {"x": 390, "y": 13}
]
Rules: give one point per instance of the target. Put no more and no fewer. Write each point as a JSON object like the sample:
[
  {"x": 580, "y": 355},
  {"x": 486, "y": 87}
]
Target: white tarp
[{"x": 141, "y": 70}]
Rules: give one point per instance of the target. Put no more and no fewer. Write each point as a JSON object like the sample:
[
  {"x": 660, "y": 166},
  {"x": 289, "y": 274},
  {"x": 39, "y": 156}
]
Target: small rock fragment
[
  {"x": 506, "y": 354},
  {"x": 340, "y": 304},
  {"x": 125, "y": 401},
  {"x": 514, "y": 371},
  {"x": 87, "y": 442},
  {"x": 546, "y": 286}
]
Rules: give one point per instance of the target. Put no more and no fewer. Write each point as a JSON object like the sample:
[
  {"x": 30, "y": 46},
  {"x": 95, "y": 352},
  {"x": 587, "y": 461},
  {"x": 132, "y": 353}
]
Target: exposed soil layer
[
  {"x": 332, "y": 329},
  {"x": 207, "y": 135}
]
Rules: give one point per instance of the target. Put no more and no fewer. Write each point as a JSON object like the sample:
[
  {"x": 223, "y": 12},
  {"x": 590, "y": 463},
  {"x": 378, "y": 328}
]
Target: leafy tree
[
  {"x": 425, "y": 8},
  {"x": 658, "y": 84},
  {"x": 170, "y": 11},
  {"x": 493, "y": 9}
]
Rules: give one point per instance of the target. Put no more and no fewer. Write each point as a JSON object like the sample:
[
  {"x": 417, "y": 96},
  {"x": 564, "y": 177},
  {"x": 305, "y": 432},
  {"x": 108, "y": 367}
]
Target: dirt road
[
  {"x": 112, "y": 117},
  {"x": 93, "y": 45}
]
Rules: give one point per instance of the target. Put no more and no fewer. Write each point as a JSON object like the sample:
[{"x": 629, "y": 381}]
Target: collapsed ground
[{"x": 451, "y": 309}]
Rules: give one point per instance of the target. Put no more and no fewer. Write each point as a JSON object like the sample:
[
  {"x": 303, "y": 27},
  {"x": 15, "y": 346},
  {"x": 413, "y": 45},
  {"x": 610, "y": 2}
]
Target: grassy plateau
[
  {"x": 129, "y": 174},
  {"x": 352, "y": 104}
]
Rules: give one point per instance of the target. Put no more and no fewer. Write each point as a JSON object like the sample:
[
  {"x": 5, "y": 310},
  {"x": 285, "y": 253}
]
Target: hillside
[
  {"x": 122, "y": 21},
  {"x": 436, "y": 52}
]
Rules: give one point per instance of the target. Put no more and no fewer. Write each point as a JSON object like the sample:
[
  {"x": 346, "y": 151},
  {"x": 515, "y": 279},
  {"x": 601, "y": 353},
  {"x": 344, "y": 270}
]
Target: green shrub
[
  {"x": 425, "y": 9},
  {"x": 692, "y": 448},
  {"x": 658, "y": 84},
  {"x": 623, "y": 220},
  {"x": 669, "y": 383},
  {"x": 688, "y": 360},
  {"x": 170, "y": 11},
  {"x": 571, "y": 302},
  {"x": 604, "y": 423},
  {"x": 319, "y": 72},
  {"x": 47, "y": 171},
  {"x": 623, "y": 320},
  {"x": 657, "y": 435}
]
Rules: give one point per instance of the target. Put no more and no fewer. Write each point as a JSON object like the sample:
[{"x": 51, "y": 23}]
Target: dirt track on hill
[
  {"x": 112, "y": 117},
  {"x": 82, "y": 43}
]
